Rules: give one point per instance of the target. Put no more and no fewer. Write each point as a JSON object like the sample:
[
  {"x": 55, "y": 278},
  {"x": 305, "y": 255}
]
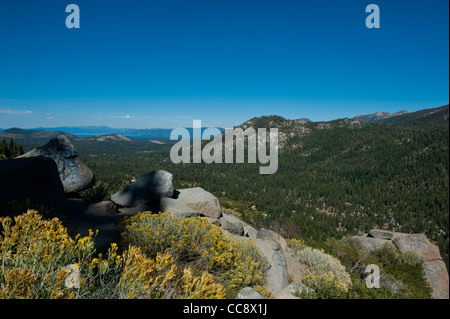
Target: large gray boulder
[
  {"x": 74, "y": 174},
  {"x": 176, "y": 208},
  {"x": 150, "y": 187},
  {"x": 232, "y": 224},
  {"x": 382, "y": 234},
  {"x": 249, "y": 293},
  {"x": 372, "y": 244},
  {"x": 103, "y": 208},
  {"x": 201, "y": 201},
  {"x": 35, "y": 179},
  {"x": 267, "y": 233},
  {"x": 289, "y": 292}
]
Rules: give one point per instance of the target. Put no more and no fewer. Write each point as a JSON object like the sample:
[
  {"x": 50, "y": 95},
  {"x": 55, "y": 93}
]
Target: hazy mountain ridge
[
  {"x": 286, "y": 127},
  {"x": 426, "y": 116},
  {"x": 105, "y": 130},
  {"x": 20, "y": 134},
  {"x": 88, "y": 132}
]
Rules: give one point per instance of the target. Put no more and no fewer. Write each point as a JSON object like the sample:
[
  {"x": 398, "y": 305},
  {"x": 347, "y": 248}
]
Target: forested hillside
[{"x": 334, "y": 178}]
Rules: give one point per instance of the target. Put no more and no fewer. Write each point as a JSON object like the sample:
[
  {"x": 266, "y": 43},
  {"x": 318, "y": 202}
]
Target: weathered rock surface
[
  {"x": 382, "y": 234},
  {"x": 248, "y": 293},
  {"x": 371, "y": 243},
  {"x": 148, "y": 188},
  {"x": 250, "y": 232},
  {"x": 266, "y": 233},
  {"x": 296, "y": 269},
  {"x": 287, "y": 293},
  {"x": 133, "y": 210},
  {"x": 201, "y": 201},
  {"x": 176, "y": 208},
  {"x": 232, "y": 224},
  {"x": 418, "y": 243},
  {"x": 105, "y": 207},
  {"x": 277, "y": 274},
  {"x": 74, "y": 174}
]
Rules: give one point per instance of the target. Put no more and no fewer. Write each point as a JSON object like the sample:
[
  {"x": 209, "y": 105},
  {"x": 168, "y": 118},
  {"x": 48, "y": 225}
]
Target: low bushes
[
  {"x": 40, "y": 260},
  {"x": 325, "y": 274},
  {"x": 401, "y": 275},
  {"x": 96, "y": 193},
  {"x": 197, "y": 244}
]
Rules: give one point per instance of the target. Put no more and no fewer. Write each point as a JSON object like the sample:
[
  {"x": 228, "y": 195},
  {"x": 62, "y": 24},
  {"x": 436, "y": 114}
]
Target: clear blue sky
[{"x": 145, "y": 63}]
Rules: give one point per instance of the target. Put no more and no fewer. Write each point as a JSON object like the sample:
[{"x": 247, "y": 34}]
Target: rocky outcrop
[
  {"x": 287, "y": 293},
  {"x": 104, "y": 207},
  {"x": 371, "y": 243},
  {"x": 176, "y": 208},
  {"x": 232, "y": 224},
  {"x": 277, "y": 274},
  {"x": 270, "y": 234},
  {"x": 201, "y": 201},
  {"x": 434, "y": 267},
  {"x": 248, "y": 293},
  {"x": 35, "y": 179},
  {"x": 149, "y": 188},
  {"x": 74, "y": 174}
]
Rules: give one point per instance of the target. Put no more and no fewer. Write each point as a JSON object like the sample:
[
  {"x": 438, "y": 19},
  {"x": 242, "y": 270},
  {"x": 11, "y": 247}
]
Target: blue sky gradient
[{"x": 147, "y": 64}]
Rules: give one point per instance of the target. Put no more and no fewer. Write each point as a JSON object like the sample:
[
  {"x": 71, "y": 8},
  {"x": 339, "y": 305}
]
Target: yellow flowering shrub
[
  {"x": 18, "y": 282},
  {"x": 195, "y": 241},
  {"x": 38, "y": 259},
  {"x": 296, "y": 244},
  {"x": 326, "y": 285},
  {"x": 144, "y": 277},
  {"x": 40, "y": 250},
  {"x": 200, "y": 287}
]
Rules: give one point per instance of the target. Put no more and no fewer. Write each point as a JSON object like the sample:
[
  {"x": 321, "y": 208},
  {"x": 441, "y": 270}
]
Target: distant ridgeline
[{"x": 86, "y": 131}]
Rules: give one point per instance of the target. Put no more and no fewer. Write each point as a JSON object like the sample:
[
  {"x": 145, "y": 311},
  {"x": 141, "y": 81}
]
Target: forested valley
[{"x": 334, "y": 179}]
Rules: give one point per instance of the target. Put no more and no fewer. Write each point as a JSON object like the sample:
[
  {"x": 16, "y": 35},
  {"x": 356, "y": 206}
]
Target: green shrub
[
  {"x": 401, "y": 274},
  {"x": 411, "y": 258},
  {"x": 412, "y": 276},
  {"x": 96, "y": 193},
  {"x": 319, "y": 263}
]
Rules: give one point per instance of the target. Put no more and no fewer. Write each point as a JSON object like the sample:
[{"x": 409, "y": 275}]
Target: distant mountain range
[
  {"x": 82, "y": 131},
  {"x": 18, "y": 134},
  {"x": 101, "y": 133},
  {"x": 426, "y": 116}
]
